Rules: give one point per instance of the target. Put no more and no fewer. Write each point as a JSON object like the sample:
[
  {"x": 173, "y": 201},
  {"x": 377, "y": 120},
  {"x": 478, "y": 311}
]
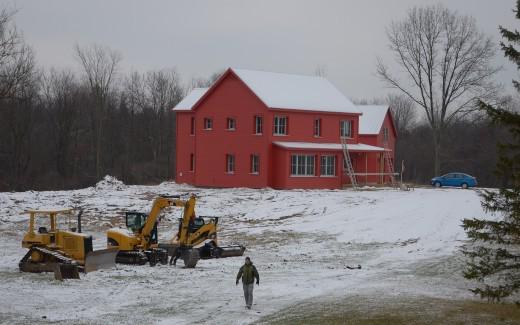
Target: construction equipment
[
  {"x": 348, "y": 163},
  {"x": 138, "y": 244},
  {"x": 197, "y": 238},
  {"x": 64, "y": 252}
]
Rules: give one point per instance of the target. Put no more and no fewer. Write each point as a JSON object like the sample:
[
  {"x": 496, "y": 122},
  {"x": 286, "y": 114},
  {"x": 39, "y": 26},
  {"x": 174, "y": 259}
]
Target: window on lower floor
[
  {"x": 255, "y": 164},
  {"x": 328, "y": 165},
  {"x": 230, "y": 164},
  {"x": 192, "y": 162},
  {"x": 302, "y": 165}
]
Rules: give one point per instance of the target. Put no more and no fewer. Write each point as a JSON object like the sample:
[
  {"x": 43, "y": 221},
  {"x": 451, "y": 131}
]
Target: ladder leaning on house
[
  {"x": 348, "y": 163},
  {"x": 389, "y": 165}
]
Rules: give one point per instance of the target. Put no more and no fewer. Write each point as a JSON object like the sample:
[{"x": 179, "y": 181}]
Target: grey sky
[{"x": 200, "y": 37}]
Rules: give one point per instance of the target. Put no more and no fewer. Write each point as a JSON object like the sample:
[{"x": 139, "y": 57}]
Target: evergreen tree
[{"x": 494, "y": 254}]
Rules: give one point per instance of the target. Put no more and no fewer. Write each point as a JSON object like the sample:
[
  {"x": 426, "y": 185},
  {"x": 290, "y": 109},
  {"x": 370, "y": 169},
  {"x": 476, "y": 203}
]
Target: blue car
[{"x": 454, "y": 179}]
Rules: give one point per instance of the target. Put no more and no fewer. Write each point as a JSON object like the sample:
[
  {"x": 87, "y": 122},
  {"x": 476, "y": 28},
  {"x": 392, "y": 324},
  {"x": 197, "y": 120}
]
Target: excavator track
[
  {"x": 51, "y": 261},
  {"x": 131, "y": 257}
]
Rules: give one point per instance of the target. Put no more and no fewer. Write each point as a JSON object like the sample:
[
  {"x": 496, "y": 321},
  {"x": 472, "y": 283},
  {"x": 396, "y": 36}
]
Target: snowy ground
[{"x": 301, "y": 241}]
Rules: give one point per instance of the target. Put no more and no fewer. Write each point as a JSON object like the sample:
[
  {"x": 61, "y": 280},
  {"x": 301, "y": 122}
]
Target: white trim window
[
  {"x": 345, "y": 129},
  {"x": 230, "y": 164},
  {"x": 231, "y": 124},
  {"x": 317, "y": 127},
  {"x": 255, "y": 164},
  {"x": 280, "y": 125},
  {"x": 259, "y": 125},
  {"x": 385, "y": 134},
  {"x": 328, "y": 165},
  {"x": 302, "y": 165},
  {"x": 208, "y": 123}
]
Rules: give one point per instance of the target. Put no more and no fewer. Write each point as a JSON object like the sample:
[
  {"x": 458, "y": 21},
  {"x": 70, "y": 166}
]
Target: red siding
[{"x": 231, "y": 98}]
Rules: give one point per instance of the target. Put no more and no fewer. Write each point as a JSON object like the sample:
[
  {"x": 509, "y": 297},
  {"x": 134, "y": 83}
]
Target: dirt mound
[{"x": 110, "y": 183}]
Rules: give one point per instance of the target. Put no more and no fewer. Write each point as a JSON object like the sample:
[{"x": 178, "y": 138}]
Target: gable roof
[
  {"x": 372, "y": 119},
  {"x": 282, "y": 91},
  {"x": 291, "y": 91},
  {"x": 193, "y": 97}
]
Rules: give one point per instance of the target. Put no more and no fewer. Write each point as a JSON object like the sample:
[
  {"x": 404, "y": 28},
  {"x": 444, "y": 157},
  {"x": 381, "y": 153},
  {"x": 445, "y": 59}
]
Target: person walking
[{"x": 248, "y": 273}]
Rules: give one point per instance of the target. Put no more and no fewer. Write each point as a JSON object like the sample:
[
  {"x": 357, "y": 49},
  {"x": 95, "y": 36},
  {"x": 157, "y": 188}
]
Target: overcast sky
[{"x": 200, "y": 37}]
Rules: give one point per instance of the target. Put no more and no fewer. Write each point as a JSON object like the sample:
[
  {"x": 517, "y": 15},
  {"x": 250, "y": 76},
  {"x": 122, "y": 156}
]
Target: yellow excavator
[
  {"x": 138, "y": 243},
  {"x": 64, "y": 252}
]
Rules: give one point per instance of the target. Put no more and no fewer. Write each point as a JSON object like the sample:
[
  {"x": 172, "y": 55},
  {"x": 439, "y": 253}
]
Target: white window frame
[
  {"x": 208, "y": 123},
  {"x": 255, "y": 164},
  {"x": 303, "y": 165},
  {"x": 259, "y": 124},
  {"x": 280, "y": 128},
  {"x": 328, "y": 165},
  {"x": 230, "y": 163},
  {"x": 317, "y": 127},
  {"x": 231, "y": 124},
  {"x": 344, "y": 126}
]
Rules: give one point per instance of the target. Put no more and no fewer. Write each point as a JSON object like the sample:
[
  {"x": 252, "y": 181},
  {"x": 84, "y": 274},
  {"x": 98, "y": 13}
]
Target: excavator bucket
[{"x": 100, "y": 259}]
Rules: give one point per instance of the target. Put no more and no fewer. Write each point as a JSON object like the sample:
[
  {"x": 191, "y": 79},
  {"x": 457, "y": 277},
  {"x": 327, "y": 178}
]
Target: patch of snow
[
  {"x": 110, "y": 183},
  {"x": 193, "y": 97},
  {"x": 372, "y": 119}
]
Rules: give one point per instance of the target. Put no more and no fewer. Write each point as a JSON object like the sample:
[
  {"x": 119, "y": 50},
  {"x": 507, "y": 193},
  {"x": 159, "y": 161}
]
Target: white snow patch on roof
[
  {"x": 187, "y": 102},
  {"x": 327, "y": 146},
  {"x": 372, "y": 119},
  {"x": 291, "y": 91}
]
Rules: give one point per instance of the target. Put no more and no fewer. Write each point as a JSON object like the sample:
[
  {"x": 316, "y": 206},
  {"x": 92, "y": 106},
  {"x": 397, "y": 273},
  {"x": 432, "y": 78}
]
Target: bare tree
[
  {"x": 100, "y": 66},
  {"x": 446, "y": 66},
  {"x": 205, "y": 82},
  {"x": 320, "y": 70},
  {"x": 403, "y": 112},
  {"x": 17, "y": 62}
]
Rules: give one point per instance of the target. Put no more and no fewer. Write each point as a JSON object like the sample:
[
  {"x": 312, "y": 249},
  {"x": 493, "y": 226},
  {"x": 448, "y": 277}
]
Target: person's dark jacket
[{"x": 248, "y": 273}]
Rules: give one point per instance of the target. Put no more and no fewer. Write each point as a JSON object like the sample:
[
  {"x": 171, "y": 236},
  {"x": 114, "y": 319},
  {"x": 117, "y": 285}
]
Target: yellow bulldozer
[
  {"x": 138, "y": 244},
  {"x": 64, "y": 252}
]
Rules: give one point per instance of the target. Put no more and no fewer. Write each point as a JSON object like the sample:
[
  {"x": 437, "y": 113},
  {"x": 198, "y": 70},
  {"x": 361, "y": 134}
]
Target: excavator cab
[{"x": 135, "y": 221}]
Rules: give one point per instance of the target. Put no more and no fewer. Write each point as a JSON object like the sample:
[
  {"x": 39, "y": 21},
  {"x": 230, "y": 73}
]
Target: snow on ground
[{"x": 301, "y": 241}]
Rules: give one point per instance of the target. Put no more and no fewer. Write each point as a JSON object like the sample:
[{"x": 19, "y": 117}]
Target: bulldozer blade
[
  {"x": 230, "y": 251},
  {"x": 101, "y": 259},
  {"x": 65, "y": 271}
]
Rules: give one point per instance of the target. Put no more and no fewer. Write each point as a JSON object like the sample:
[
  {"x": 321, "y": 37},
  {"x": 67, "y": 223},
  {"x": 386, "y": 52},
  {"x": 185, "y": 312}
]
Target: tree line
[{"x": 63, "y": 129}]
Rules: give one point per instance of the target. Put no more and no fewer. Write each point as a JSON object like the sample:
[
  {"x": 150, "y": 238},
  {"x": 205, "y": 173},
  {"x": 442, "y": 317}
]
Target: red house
[{"x": 262, "y": 129}]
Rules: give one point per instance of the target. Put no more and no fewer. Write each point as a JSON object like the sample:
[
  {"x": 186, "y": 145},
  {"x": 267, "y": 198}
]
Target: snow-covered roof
[
  {"x": 372, "y": 119},
  {"x": 291, "y": 91},
  {"x": 327, "y": 146},
  {"x": 187, "y": 102}
]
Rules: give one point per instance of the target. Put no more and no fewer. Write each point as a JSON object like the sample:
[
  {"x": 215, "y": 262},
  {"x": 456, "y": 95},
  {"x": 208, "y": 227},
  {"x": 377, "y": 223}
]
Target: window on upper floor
[
  {"x": 259, "y": 125},
  {"x": 302, "y": 165},
  {"x": 231, "y": 124},
  {"x": 230, "y": 164},
  {"x": 255, "y": 164},
  {"x": 208, "y": 123},
  {"x": 317, "y": 127},
  {"x": 385, "y": 134},
  {"x": 280, "y": 125},
  {"x": 345, "y": 129},
  {"x": 192, "y": 126}
]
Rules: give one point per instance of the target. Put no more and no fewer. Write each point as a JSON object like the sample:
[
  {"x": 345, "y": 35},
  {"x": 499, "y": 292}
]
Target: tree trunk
[{"x": 437, "y": 133}]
